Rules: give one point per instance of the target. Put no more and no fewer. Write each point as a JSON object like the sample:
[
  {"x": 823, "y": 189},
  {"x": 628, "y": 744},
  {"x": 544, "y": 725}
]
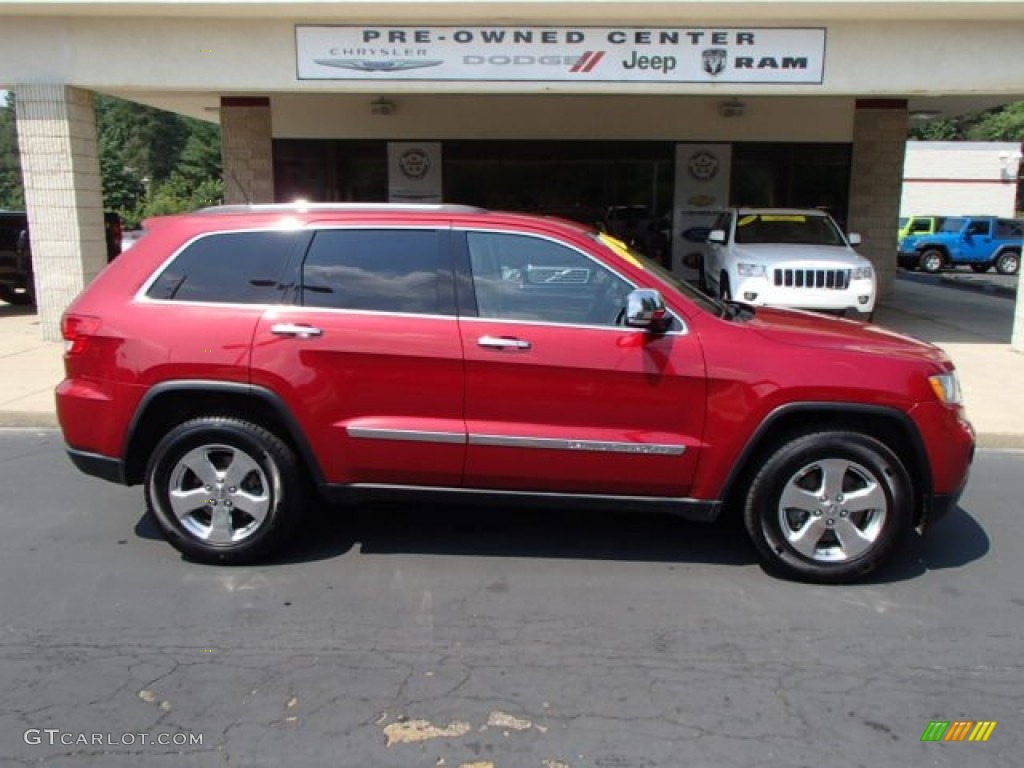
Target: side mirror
[
  {"x": 717, "y": 236},
  {"x": 854, "y": 238},
  {"x": 645, "y": 308}
]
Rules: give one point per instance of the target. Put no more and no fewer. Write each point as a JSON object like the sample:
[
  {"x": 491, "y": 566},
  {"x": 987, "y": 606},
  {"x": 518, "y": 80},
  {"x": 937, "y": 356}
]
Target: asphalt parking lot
[{"x": 402, "y": 636}]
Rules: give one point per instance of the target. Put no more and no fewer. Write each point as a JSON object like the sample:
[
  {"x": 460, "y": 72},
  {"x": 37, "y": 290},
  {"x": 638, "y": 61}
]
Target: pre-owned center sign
[{"x": 560, "y": 54}]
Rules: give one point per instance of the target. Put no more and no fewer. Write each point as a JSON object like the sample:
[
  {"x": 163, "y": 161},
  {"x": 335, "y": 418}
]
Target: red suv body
[{"x": 239, "y": 361}]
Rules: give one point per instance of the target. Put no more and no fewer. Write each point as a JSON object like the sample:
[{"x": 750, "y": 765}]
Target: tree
[
  {"x": 155, "y": 162},
  {"x": 11, "y": 190}
]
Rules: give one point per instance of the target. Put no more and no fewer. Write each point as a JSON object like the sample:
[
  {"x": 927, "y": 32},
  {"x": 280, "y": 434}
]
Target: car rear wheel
[
  {"x": 828, "y": 507},
  {"x": 932, "y": 261},
  {"x": 224, "y": 490},
  {"x": 1008, "y": 263}
]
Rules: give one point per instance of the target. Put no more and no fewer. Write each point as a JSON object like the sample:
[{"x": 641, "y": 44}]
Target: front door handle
[
  {"x": 294, "y": 329},
  {"x": 503, "y": 342}
]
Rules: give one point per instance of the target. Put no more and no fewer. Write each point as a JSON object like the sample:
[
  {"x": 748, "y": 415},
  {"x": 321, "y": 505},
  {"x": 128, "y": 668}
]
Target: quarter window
[
  {"x": 519, "y": 277},
  {"x": 377, "y": 270},
  {"x": 233, "y": 267}
]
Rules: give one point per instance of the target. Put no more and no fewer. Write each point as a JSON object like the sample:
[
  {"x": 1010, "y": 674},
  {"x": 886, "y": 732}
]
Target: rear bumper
[{"x": 103, "y": 467}]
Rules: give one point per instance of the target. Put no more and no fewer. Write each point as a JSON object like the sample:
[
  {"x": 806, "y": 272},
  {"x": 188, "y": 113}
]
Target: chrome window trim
[
  {"x": 567, "y": 444},
  {"x": 407, "y": 435},
  {"x": 542, "y": 324},
  {"x": 683, "y": 331},
  {"x": 142, "y": 298}
]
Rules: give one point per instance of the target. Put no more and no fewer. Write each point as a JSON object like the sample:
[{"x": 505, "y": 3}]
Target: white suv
[{"x": 787, "y": 258}]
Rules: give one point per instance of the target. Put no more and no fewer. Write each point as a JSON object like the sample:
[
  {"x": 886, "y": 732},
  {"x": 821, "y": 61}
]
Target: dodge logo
[{"x": 714, "y": 60}]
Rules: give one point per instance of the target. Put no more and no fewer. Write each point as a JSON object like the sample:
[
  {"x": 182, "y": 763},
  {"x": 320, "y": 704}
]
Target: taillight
[{"x": 77, "y": 330}]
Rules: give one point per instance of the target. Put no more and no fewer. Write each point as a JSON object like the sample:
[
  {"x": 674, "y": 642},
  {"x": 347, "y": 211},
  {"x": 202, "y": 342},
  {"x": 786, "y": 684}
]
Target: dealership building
[{"x": 671, "y": 108}]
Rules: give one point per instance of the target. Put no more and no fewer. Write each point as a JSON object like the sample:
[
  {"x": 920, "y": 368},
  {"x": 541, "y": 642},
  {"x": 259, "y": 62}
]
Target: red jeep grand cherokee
[{"x": 241, "y": 360}]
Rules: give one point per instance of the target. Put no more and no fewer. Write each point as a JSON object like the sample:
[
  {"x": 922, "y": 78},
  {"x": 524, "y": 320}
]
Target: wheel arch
[
  {"x": 890, "y": 426},
  {"x": 173, "y": 402}
]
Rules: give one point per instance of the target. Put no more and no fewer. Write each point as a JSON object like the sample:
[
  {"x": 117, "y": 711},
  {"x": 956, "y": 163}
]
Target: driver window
[{"x": 520, "y": 277}]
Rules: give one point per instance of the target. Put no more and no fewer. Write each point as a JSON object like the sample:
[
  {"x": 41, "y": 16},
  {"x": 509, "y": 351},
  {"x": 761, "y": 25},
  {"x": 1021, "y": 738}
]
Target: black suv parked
[{"x": 16, "y": 282}]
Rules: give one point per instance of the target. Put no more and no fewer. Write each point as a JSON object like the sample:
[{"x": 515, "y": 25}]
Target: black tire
[
  {"x": 724, "y": 291},
  {"x": 981, "y": 268},
  {"x": 16, "y": 299},
  {"x": 932, "y": 261},
  {"x": 258, "y": 512},
  {"x": 1008, "y": 263},
  {"x": 806, "y": 467}
]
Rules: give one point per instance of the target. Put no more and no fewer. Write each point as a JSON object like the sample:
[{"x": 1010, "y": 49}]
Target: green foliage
[
  {"x": 151, "y": 161},
  {"x": 11, "y": 193},
  {"x": 155, "y": 162}
]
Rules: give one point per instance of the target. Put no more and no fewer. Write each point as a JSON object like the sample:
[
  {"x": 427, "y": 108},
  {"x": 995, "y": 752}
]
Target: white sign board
[
  {"x": 703, "y": 172},
  {"x": 561, "y": 54}
]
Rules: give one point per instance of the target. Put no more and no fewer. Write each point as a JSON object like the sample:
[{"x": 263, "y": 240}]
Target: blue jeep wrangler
[{"x": 981, "y": 242}]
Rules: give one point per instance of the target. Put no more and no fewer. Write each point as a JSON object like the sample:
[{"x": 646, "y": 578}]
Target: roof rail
[{"x": 340, "y": 207}]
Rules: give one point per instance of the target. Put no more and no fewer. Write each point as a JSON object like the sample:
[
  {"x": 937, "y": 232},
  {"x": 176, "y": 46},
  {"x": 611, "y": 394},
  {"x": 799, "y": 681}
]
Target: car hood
[
  {"x": 797, "y": 256},
  {"x": 814, "y": 331}
]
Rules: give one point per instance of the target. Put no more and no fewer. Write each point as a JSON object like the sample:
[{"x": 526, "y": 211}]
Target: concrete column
[
  {"x": 1017, "y": 340},
  {"x": 63, "y": 194},
  {"x": 876, "y": 182},
  {"x": 247, "y": 150}
]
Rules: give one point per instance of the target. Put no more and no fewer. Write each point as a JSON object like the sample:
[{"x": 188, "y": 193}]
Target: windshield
[
  {"x": 787, "y": 228},
  {"x": 952, "y": 225},
  {"x": 623, "y": 251}
]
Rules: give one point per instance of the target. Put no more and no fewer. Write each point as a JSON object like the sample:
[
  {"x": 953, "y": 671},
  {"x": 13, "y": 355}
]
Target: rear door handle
[
  {"x": 503, "y": 342},
  {"x": 293, "y": 329}
]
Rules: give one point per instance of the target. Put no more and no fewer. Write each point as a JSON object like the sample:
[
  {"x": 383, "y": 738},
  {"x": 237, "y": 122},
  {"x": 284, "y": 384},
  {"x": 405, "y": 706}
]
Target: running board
[{"x": 698, "y": 510}]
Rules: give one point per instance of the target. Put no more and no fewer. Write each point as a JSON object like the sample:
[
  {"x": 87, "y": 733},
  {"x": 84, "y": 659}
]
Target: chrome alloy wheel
[
  {"x": 833, "y": 510},
  {"x": 219, "y": 494}
]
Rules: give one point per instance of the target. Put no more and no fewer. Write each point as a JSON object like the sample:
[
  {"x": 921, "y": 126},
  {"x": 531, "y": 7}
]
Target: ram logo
[{"x": 714, "y": 60}]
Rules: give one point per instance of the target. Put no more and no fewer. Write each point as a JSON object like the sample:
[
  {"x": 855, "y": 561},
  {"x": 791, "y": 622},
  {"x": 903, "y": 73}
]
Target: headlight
[
  {"x": 750, "y": 270},
  {"x": 946, "y": 387},
  {"x": 861, "y": 273}
]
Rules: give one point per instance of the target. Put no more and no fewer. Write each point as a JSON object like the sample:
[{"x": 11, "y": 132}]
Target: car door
[
  {"x": 559, "y": 397},
  {"x": 369, "y": 359},
  {"x": 976, "y": 243}
]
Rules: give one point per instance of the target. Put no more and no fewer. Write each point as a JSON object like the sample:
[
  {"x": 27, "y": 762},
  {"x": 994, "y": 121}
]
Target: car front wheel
[
  {"x": 828, "y": 507},
  {"x": 932, "y": 261},
  {"x": 224, "y": 490}
]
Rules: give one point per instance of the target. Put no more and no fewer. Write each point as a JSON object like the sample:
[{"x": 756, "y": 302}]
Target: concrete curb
[
  {"x": 28, "y": 419},
  {"x": 991, "y": 289}
]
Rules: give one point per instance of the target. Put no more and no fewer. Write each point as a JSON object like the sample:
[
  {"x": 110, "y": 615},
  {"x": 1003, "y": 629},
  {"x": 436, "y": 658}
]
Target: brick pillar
[
  {"x": 63, "y": 194},
  {"x": 247, "y": 150},
  {"x": 876, "y": 182},
  {"x": 1017, "y": 340}
]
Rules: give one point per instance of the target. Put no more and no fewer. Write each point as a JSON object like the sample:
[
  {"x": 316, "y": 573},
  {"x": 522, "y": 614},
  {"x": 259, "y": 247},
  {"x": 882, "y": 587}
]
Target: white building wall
[{"x": 960, "y": 178}]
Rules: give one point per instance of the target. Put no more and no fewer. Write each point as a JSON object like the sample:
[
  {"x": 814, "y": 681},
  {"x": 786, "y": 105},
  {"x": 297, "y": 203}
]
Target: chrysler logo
[{"x": 379, "y": 65}]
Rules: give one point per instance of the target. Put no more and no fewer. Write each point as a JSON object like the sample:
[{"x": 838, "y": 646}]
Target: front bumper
[{"x": 859, "y": 296}]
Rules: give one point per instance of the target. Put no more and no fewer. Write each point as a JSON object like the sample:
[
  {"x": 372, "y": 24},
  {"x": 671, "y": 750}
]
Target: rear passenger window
[
  {"x": 234, "y": 267},
  {"x": 1006, "y": 229},
  {"x": 382, "y": 270}
]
